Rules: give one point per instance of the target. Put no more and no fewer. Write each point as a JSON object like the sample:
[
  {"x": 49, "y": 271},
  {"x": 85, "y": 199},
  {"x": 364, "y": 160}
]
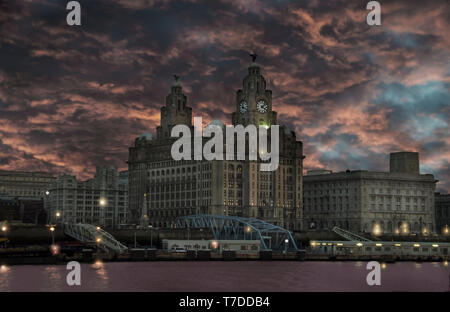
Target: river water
[{"x": 221, "y": 276}]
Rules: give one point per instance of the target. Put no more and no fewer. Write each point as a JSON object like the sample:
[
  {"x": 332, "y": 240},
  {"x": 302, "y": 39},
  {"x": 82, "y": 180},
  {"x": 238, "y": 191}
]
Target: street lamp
[
  {"x": 4, "y": 230},
  {"x": 286, "y": 242},
  {"x": 102, "y": 203},
  {"x": 52, "y": 229},
  {"x": 151, "y": 235},
  {"x": 248, "y": 229},
  {"x": 376, "y": 229}
]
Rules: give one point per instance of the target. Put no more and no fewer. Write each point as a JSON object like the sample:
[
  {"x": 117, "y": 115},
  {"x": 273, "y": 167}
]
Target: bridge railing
[
  {"x": 349, "y": 235},
  {"x": 91, "y": 234}
]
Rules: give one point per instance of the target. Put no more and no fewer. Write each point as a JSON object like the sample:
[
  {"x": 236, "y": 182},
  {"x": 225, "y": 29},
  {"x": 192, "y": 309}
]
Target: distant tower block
[{"x": 404, "y": 162}]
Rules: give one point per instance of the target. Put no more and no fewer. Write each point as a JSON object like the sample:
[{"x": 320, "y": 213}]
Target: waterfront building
[
  {"x": 22, "y": 184},
  {"x": 101, "y": 201},
  {"x": 442, "y": 206},
  {"x": 161, "y": 189},
  {"x": 22, "y": 210},
  {"x": 399, "y": 201}
]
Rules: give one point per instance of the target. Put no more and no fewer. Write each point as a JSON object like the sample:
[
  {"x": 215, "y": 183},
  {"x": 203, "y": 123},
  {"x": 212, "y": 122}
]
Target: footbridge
[
  {"x": 236, "y": 228},
  {"x": 349, "y": 235},
  {"x": 91, "y": 234}
]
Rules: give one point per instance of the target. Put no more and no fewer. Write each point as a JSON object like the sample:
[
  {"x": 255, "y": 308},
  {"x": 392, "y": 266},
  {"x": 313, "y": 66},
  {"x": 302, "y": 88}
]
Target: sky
[{"x": 75, "y": 97}]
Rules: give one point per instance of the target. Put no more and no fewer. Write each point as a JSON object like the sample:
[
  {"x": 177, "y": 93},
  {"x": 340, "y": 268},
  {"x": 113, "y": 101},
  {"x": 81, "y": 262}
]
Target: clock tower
[{"x": 253, "y": 101}]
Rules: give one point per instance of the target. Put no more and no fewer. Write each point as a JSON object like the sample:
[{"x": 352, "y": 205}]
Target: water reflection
[
  {"x": 53, "y": 278},
  {"x": 5, "y": 276},
  {"x": 101, "y": 281}
]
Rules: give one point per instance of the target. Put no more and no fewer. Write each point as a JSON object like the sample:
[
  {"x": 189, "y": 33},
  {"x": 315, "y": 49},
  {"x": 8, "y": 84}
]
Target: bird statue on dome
[
  {"x": 176, "y": 77},
  {"x": 254, "y": 56}
]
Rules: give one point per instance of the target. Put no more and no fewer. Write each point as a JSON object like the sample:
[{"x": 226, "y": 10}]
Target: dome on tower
[
  {"x": 216, "y": 123},
  {"x": 146, "y": 136}
]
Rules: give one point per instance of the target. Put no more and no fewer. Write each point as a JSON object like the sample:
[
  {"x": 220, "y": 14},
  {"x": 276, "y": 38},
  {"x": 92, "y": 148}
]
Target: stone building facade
[
  {"x": 371, "y": 202},
  {"x": 161, "y": 189},
  {"x": 19, "y": 184},
  {"x": 101, "y": 201},
  {"x": 442, "y": 206}
]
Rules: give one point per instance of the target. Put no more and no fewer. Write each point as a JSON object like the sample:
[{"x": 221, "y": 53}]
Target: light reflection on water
[
  {"x": 53, "y": 278},
  {"x": 4, "y": 276},
  {"x": 102, "y": 275},
  {"x": 227, "y": 276}
]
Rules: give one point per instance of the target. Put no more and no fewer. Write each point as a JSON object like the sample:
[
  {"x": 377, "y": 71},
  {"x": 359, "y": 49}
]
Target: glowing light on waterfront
[
  {"x": 383, "y": 265},
  {"x": 54, "y": 249},
  {"x": 214, "y": 244},
  {"x": 313, "y": 244},
  {"x": 98, "y": 240},
  {"x": 47, "y": 193},
  {"x": 445, "y": 263},
  {"x": 416, "y": 245},
  {"x": 97, "y": 265},
  {"x": 405, "y": 229},
  {"x": 379, "y": 245},
  {"x": 52, "y": 229},
  {"x": 424, "y": 231},
  {"x": 58, "y": 214},
  {"x": 248, "y": 229},
  {"x": 4, "y": 228},
  {"x": 435, "y": 245},
  {"x": 102, "y": 202},
  {"x": 398, "y": 245},
  {"x": 359, "y": 244},
  {"x": 98, "y": 228},
  {"x": 377, "y": 229},
  {"x": 4, "y": 268}
]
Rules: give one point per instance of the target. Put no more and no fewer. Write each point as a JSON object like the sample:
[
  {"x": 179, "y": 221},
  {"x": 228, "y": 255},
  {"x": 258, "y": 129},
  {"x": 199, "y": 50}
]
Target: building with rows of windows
[
  {"x": 400, "y": 201},
  {"x": 31, "y": 185},
  {"x": 161, "y": 189},
  {"x": 442, "y": 207},
  {"x": 102, "y": 200}
]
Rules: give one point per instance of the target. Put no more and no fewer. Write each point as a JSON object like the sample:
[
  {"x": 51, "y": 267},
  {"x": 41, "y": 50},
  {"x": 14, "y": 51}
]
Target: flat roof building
[{"x": 361, "y": 201}]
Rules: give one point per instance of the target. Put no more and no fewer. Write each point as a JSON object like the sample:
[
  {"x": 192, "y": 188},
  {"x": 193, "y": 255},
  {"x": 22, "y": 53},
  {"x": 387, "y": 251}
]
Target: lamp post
[
  {"x": 4, "y": 230},
  {"x": 102, "y": 203},
  {"x": 286, "y": 242},
  {"x": 151, "y": 235},
  {"x": 52, "y": 229}
]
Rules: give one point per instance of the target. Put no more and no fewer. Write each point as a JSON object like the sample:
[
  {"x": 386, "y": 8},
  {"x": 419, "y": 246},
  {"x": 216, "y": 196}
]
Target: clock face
[
  {"x": 261, "y": 106},
  {"x": 243, "y": 107}
]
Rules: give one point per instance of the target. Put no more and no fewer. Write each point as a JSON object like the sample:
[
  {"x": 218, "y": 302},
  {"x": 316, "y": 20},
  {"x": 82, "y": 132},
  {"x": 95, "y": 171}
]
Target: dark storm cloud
[{"x": 72, "y": 98}]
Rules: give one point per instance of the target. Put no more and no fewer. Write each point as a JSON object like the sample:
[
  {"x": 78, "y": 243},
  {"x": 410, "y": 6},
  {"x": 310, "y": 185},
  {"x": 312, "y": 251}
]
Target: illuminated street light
[
  {"x": 376, "y": 229},
  {"x": 445, "y": 230},
  {"x": 58, "y": 214},
  {"x": 98, "y": 240},
  {"x": 47, "y": 193},
  {"x": 98, "y": 228},
  {"x": 4, "y": 229},
  {"x": 214, "y": 244},
  {"x": 405, "y": 229},
  {"x": 102, "y": 202}
]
